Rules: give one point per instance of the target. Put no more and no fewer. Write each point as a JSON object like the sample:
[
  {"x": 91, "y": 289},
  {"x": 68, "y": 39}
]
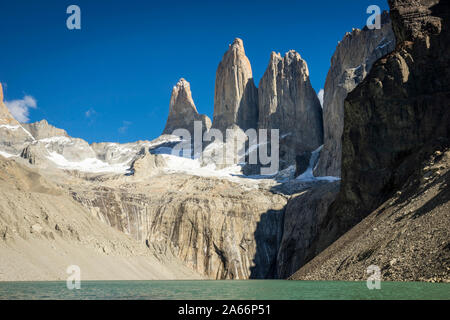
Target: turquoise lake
[{"x": 223, "y": 290}]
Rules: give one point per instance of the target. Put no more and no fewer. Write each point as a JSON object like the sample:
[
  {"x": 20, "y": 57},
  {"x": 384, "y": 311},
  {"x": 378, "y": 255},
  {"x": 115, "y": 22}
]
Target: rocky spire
[
  {"x": 351, "y": 62},
  {"x": 236, "y": 97},
  {"x": 182, "y": 110},
  {"x": 5, "y": 115},
  {"x": 288, "y": 102}
]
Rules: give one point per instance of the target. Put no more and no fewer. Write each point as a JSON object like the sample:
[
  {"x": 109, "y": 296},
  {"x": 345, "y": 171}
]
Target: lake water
[{"x": 224, "y": 290}]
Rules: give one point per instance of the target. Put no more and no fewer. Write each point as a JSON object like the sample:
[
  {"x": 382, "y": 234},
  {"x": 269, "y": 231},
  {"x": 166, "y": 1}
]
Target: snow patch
[
  {"x": 56, "y": 139},
  {"x": 384, "y": 45},
  {"x": 10, "y": 127},
  {"x": 87, "y": 165},
  {"x": 193, "y": 167},
  {"x": 308, "y": 175},
  {"x": 6, "y": 154}
]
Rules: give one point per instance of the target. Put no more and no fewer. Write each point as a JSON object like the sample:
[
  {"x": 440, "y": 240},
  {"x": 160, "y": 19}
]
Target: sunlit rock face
[
  {"x": 350, "y": 64},
  {"x": 220, "y": 229},
  {"x": 236, "y": 96},
  {"x": 288, "y": 102}
]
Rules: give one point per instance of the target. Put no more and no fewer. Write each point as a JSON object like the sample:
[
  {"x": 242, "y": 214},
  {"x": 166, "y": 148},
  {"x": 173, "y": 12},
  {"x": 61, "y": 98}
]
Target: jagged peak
[
  {"x": 182, "y": 93},
  {"x": 289, "y": 56},
  {"x": 292, "y": 54},
  {"x": 237, "y": 43},
  {"x": 275, "y": 57},
  {"x": 182, "y": 83}
]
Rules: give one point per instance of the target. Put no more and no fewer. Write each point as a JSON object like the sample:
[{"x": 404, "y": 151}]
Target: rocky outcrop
[
  {"x": 218, "y": 228},
  {"x": 116, "y": 153},
  {"x": 42, "y": 130},
  {"x": 236, "y": 96},
  {"x": 350, "y": 64},
  {"x": 147, "y": 165},
  {"x": 35, "y": 154},
  {"x": 182, "y": 110},
  {"x": 288, "y": 102},
  {"x": 302, "y": 224},
  {"x": 397, "y": 117}
]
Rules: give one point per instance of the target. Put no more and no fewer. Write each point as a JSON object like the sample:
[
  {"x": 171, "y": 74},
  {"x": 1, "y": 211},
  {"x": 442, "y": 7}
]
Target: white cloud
[
  {"x": 124, "y": 127},
  {"x": 91, "y": 112},
  {"x": 20, "y": 109},
  {"x": 320, "y": 96}
]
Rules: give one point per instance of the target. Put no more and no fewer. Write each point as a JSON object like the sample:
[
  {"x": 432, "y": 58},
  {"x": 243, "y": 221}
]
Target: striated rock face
[
  {"x": 288, "y": 102},
  {"x": 218, "y": 228},
  {"x": 42, "y": 130},
  {"x": 236, "y": 96},
  {"x": 397, "y": 116},
  {"x": 350, "y": 64},
  {"x": 302, "y": 225},
  {"x": 182, "y": 112}
]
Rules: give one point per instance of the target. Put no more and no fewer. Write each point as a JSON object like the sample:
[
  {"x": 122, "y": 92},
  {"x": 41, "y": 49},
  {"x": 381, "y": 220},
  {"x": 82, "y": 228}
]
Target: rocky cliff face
[
  {"x": 397, "y": 117},
  {"x": 182, "y": 110},
  {"x": 303, "y": 218},
  {"x": 236, "y": 96},
  {"x": 288, "y": 102},
  {"x": 220, "y": 229},
  {"x": 398, "y": 110},
  {"x": 407, "y": 237},
  {"x": 350, "y": 64}
]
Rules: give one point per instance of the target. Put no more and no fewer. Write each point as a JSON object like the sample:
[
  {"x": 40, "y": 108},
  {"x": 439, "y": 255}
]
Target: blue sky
[{"x": 112, "y": 80}]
